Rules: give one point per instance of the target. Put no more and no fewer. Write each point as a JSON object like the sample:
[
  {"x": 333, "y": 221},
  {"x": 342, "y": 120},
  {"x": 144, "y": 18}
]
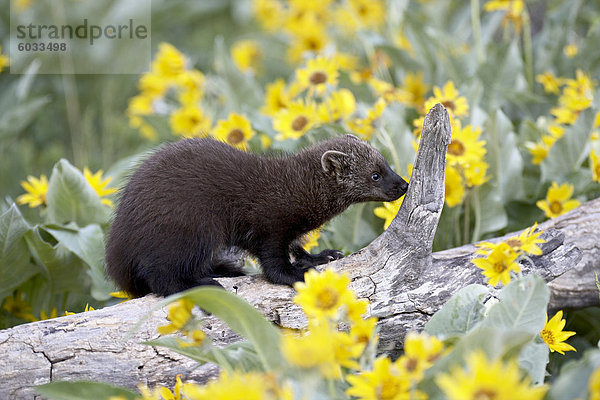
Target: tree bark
[{"x": 404, "y": 282}]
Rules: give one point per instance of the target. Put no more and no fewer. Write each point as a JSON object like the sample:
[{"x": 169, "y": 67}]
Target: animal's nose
[{"x": 403, "y": 185}]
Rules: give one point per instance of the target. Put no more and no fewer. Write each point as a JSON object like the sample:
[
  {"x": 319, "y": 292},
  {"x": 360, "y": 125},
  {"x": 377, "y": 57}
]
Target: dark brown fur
[{"x": 192, "y": 200}]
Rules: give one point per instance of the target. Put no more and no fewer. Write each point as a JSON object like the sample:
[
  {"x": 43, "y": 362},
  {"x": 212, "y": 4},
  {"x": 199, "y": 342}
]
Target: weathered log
[{"x": 404, "y": 282}]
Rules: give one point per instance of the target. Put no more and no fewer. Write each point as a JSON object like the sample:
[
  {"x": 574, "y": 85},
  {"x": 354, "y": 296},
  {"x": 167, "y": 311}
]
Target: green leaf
[
  {"x": 71, "y": 199},
  {"x": 240, "y": 316},
  {"x": 354, "y": 229},
  {"x": 15, "y": 267},
  {"x": 572, "y": 382},
  {"x": 83, "y": 391},
  {"x": 63, "y": 270},
  {"x": 569, "y": 152},
  {"x": 88, "y": 244},
  {"x": 503, "y": 156},
  {"x": 461, "y": 313},
  {"x": 522, "y": 306},
  {"x": 240, "y": 356},
  {"x": 495, "y": 343},
  {"x": 533, "y": 358},
  {"x": 489, "y": 209}
]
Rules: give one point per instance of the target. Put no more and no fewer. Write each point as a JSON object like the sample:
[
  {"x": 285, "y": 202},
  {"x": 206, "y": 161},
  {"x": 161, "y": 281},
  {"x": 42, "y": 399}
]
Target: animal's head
[{"x": 361, "y": 170}]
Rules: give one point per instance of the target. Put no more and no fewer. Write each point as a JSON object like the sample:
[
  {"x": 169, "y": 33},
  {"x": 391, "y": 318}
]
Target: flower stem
[
  {"x": 476, "y": 28},
  {"x": 527, "y": 49}
]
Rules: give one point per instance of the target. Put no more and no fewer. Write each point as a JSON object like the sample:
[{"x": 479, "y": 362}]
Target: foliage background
[{"x": 83, "y": 119}]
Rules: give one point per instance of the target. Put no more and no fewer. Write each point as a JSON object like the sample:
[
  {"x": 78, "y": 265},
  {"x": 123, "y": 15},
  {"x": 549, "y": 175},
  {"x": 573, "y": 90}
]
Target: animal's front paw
[{"x": 330, "y": 255}]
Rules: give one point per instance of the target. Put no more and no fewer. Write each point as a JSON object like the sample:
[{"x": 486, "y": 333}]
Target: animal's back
[{"x": 175, "y": 211}]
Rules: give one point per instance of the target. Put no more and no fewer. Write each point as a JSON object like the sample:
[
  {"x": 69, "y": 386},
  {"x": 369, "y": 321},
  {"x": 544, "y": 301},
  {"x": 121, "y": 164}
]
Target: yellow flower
[
  {"x": 269, "y": 13},
  {"x": 235, "y": 131},
  {"x": 231, "y": 385},
  {"x": 99, "y": 185},
  {"x": 140, "y": 105},
  {"x": 153, "y": 85},
  {"x": 526, "y": 242},
  {"x": 88, "y": 308},
  {"x": 388, "y": 211},
  {"x": 180, "y": 313},
  {"x": 556, "y": 131},
  {"x": 169, "y": 62},
  {"x": 514, "y": 11},
  {"x": 18, "y": 306},
  {"x": 571, "y": 50},
  {"x": 314, "y": 39},
  {"x": 319, "y": 74},
  {"x": 594, "y": 385},
  {"x": 558, "y": 200},
  {"x": 44, "y": 316},
  {"x": 191, "y": 85},
  {"x": 416, "y": 86},
  {"x": 345, "y": 61},
  {"x": 498, "y": 264},
  {"x": 475, "y": 173},
  {"x": 488, "y": 379},
  {"x": 365, "y": 127},
  {"x": 465, "y": 148},
  {"x": 577, "y": 95},
  {"x": 176, "y": 394},
  {"x": 312, "y": 239},
  {"x": 595, "y": 166},
  {"x": 550, "y": 82},
  {"x": 36, "y": 191},
  {"x": 246, "y": 55},
  {"x": 384, "y": 382},
  {"x": 539, "y": 150},
  {"x": 340, "y": 105},
  {"x": 449, "y": 97},
  {"x": 388, "y": 92},
  {"x": 4, "y": 60},
  {"x": 367, "y": 13},
  {"x": 554, "y": 336},
  {"x": 196, "y": 336},
  {"x": 190, "y": 121},
  {"x": 363, "y": 330},
  {"x": 277, "y": 98},
  {"x": 324, "y": 348},
  {"x": 323, "y": 294},
  {"x": 293, "y": 122},
  {"x": 420, "y": 352},
  {"x": 454, "y": 187},
  {"x": 402, "y": 42},
  {"x": 564, "y": 115}
]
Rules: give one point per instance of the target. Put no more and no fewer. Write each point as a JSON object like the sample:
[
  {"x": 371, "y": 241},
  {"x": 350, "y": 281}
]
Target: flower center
[
  {"x": 299, "y": 123},
  {"x": 449, "y": 104},
  {"x": 235, "y": 136},
  {"x": 597, "y": 170},
  {"x": 484, "y": 394},
  {"x": 411, "y": 364},
  {"x": 327, "y": 299},
  {"x": 318, "y": 78},
  {"x": 514, "y": 243},
  {"x": 556, "y": 207},
  {"x": 456, "y": 148},
  {"x": 547, "y": 336},
  {"x": 388, "y": 389},
  {"x": 499, "y": 267}
]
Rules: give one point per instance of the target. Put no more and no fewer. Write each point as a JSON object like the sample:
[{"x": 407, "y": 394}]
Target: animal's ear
[
  {"x": 333, "y": 161},
  {"x": 349, "y": 135}
]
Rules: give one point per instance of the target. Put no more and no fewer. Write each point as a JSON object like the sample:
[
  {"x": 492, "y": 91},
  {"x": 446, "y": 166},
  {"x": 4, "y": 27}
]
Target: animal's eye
[{"x": 376, "y": 176}]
